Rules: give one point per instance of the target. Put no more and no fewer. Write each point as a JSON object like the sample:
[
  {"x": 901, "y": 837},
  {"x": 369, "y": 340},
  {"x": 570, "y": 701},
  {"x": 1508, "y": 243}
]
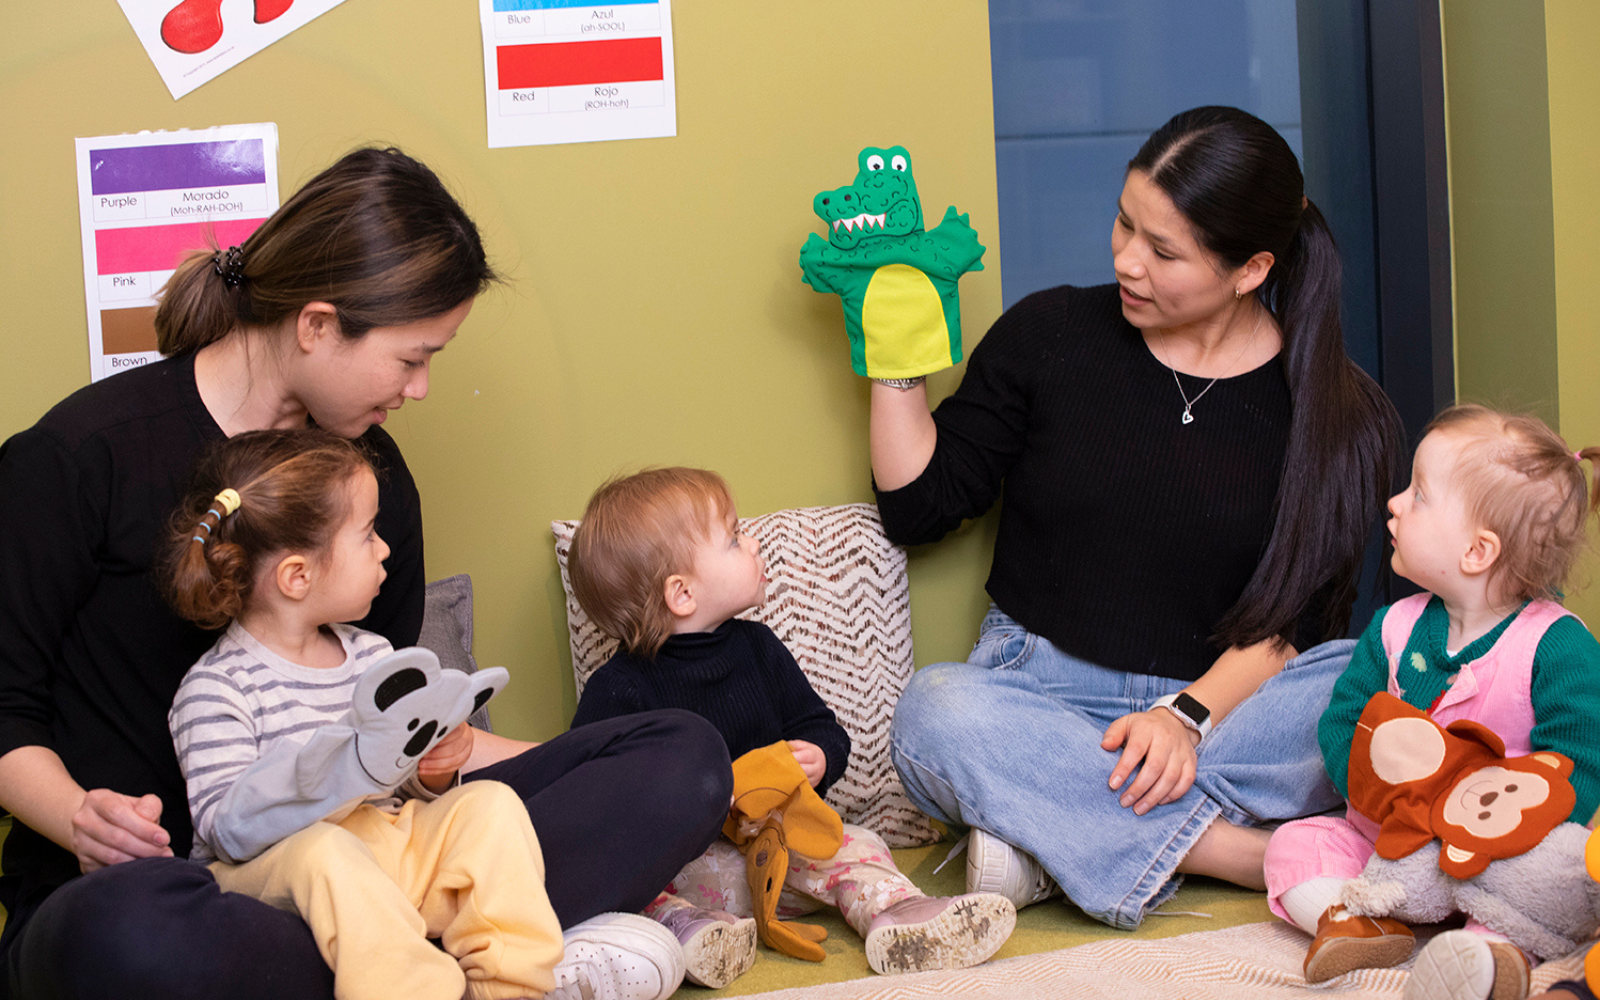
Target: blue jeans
[{"x": 1010, "y": 743}]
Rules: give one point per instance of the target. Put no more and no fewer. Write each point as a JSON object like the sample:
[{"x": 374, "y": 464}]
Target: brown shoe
[
  {"x": 1345, "y": 941},
  {"x": 1511, "y": 972}
]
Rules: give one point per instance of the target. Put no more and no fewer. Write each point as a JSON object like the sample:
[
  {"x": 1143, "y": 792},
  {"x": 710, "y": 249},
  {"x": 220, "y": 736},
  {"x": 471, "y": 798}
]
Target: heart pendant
[{"x": 1188, "y": 417}]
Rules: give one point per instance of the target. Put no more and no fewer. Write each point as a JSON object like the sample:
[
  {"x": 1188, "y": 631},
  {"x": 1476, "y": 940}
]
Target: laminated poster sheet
[
  {"x": 197, "y": 40},
  {"x": 577, "y": 71},
  {"x": 144, "y": 201}
]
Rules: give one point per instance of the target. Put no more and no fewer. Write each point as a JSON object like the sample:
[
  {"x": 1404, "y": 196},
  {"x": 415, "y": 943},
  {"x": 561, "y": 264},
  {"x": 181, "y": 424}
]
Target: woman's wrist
[
  {"x": 902, "y": 434},
  {"x": 903, "y": 384},
  {"x": 1189, "y": 713}
]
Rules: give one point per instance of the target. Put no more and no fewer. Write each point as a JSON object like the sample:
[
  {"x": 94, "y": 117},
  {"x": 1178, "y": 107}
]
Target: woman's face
[
  {"x": 349, "y": 385},
  {"x": 1168, "y": 280}
]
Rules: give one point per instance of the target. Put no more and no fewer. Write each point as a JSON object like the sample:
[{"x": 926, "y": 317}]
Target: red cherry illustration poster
[{"x": 193, "y": 41}]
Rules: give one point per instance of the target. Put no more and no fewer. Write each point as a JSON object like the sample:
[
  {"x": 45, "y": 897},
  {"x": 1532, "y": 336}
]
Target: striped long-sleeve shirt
[{"x": 241, "y": 701}]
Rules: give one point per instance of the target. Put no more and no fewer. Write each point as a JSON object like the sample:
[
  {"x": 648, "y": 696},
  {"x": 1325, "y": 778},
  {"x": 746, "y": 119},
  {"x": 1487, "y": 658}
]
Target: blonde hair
[
  {"x": 293, "y": 490},
  {"x": 636, "y": 531},
  {"x": 1522, "y": 482}
]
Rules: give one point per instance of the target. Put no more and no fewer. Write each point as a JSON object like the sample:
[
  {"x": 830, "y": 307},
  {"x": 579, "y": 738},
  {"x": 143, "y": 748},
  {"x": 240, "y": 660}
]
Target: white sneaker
[
  {"x": 995, "y": 866},
  {"x": 1461, "y": 965},
  {"x": 618, "y": 956}
]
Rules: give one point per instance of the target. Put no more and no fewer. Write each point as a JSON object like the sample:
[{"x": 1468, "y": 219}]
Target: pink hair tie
[{"x": 1578, "y": 455}]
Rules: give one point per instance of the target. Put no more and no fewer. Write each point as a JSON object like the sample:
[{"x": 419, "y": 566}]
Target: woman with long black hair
[{"x": 1191, "y": 468}]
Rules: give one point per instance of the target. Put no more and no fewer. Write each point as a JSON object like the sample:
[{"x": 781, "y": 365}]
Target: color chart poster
[
  {"x": 146, "y": 200},
  {"x": 577, "y": 71},
  {"x": 194, "y": 41}
]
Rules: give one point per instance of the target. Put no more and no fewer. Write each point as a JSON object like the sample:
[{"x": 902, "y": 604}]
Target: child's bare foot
[
  {"x": 718, "y": 947},
  {"x": 944, "y": 932}
]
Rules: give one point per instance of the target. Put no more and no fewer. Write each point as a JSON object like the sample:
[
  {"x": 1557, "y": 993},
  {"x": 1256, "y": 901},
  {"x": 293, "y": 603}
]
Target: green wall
[
  {"x": 1501, "y": 212},
  {"x": 1572, "y": 35},
  {"x": 654, "y": 312},
  {"x": 1524, "y": 137}
]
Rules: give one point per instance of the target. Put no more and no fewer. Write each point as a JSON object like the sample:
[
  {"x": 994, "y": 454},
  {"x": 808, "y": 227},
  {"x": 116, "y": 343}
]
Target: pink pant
[{"x": 1321, "y": 847}]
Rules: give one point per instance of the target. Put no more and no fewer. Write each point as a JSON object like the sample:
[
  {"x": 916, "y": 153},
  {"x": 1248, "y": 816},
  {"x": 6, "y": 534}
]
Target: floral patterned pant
[{"x": 861, "y": 880}]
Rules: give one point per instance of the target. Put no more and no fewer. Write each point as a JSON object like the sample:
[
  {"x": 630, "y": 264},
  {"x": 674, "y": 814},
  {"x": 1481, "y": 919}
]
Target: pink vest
[{"x": 1496, "y": 688}]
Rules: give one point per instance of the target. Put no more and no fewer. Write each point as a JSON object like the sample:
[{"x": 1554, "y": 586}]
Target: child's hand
[
  {"x": 438, "y": 766},
  {"x": 811, "y": 759}
]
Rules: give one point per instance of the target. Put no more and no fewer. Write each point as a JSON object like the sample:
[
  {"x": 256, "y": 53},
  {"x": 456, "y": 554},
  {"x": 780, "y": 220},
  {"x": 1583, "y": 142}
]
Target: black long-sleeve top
[
  {"x": 1125, "y": 534},
  {"x": 740, "y": 677},
  {"x": 90, "y": 654}
]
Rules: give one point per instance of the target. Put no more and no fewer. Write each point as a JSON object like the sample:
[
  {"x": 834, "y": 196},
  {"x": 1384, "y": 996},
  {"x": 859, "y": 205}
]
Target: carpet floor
[{"x": 1202, "y": 904}]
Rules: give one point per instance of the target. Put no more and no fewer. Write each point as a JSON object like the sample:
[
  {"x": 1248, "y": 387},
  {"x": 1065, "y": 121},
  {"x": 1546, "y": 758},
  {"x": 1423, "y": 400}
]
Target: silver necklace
[{"x": 1188, "y": 404}]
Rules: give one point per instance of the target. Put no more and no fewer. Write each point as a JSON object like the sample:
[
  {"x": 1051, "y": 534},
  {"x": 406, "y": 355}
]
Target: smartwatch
[{"x": 1189, "y": 711}]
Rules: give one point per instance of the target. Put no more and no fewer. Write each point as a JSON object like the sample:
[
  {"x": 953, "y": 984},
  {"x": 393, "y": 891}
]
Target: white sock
[{"x": 1308, "y": 901}]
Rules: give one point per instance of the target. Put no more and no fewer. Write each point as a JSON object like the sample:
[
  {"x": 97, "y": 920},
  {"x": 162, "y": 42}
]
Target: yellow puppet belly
[{"x": 902, "y": 318}]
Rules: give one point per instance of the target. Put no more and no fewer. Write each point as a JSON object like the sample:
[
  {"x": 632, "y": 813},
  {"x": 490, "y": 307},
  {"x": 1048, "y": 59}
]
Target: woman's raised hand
[
  {"x": 110, "y": 828},
  {"x": 1167, "y": 749}
]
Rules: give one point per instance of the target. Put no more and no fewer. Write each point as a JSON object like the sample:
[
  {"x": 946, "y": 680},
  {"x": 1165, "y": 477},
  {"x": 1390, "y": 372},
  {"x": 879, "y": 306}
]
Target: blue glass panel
[{"x": 1079, "y": 84}]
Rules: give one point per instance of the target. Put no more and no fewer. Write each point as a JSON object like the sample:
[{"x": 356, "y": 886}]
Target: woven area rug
[{"x": 1260, "y": 961}]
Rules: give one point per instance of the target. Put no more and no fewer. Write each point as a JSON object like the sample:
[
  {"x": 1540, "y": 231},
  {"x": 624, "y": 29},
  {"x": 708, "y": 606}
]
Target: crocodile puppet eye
[
  {"x": 874, "y": 162},
  {"x": 899, "y": 163}
]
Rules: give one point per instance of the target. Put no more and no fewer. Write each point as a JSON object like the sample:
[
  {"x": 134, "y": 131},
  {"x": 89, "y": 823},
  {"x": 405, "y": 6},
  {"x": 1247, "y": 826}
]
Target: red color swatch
[{"x": 566, "y": 64}]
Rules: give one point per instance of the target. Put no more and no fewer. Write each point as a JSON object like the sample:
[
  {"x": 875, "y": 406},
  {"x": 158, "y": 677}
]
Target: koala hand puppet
[
  {"x": 404, "y": 705},
  {"x": 401, "y": 707}
]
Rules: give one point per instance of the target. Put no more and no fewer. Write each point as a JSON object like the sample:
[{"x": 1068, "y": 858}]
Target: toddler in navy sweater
[{"x": 659, "y": 563}]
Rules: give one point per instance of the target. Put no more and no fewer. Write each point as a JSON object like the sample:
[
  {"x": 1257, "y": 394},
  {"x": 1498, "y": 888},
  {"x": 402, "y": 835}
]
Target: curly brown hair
[{"x": 294, "y": 491}]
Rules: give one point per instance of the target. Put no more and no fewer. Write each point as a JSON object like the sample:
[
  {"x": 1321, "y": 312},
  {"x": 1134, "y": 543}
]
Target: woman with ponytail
[
  {"x": 329, "y": 314},
  {"x": 1191, "y": 467}
]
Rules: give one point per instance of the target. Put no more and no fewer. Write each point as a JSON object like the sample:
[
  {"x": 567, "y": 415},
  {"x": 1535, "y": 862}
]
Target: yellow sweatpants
[{"x": 465, "y": 868}]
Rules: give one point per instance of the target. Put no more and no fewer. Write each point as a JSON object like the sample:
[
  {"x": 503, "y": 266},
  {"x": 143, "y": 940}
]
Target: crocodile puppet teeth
[
  {"x": 897, "y": 281},
  {"x": 862, "y": 220}
]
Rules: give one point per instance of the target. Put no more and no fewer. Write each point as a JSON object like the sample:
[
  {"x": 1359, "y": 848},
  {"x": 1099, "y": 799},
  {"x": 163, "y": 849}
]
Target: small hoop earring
[{"x": 1237, "y": 295}]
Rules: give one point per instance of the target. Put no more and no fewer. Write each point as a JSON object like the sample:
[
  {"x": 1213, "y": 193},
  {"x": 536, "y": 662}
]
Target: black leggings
[{"x": 619, "y": 806}]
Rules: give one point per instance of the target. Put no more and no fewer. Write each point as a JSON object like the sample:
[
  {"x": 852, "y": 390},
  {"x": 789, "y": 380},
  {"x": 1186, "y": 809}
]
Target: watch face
[{"x": 1192, "y": 708}]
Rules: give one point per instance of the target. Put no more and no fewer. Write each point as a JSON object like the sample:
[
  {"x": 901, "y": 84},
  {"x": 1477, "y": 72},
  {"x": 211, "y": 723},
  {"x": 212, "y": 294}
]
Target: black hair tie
[{"x": 229, "y": 266}]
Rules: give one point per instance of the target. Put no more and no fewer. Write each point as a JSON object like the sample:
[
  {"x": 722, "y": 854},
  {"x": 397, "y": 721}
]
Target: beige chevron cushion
[{"x": 839, "y": 600}]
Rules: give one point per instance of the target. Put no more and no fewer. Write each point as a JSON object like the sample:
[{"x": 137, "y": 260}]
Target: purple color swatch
[{"x": 188, "y": 165}]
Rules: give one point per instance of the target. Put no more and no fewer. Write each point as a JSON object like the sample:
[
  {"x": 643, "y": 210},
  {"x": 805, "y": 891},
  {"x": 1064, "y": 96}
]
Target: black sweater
[
  {"x": 90, "y": 655},
  {"x": 740, "y": 678},
  {"x": 1125, "y": 534}
]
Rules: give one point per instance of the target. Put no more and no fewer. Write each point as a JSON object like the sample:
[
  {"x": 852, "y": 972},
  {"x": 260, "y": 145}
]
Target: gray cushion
[{"x": 447, "y": 630}]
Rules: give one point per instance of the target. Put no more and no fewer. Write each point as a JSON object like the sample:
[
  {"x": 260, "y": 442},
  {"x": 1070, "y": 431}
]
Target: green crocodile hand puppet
[{"x": 897, "y": 281}]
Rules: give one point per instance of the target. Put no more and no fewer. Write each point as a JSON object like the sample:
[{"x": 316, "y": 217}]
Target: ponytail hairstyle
[
  {"x": 293, "y": 493},
  {"x": 1238, "y": 184},
  {"x": 1522, "y": 482},
  {"x": 376, "y": 235}
]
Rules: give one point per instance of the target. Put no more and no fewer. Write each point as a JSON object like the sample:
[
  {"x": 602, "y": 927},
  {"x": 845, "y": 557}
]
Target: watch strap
[{"x": 1188, "y": 710}]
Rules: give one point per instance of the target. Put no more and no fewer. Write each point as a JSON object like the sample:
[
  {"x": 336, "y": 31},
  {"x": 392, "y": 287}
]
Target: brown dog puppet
[{"x": 1418, "y": 780}]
